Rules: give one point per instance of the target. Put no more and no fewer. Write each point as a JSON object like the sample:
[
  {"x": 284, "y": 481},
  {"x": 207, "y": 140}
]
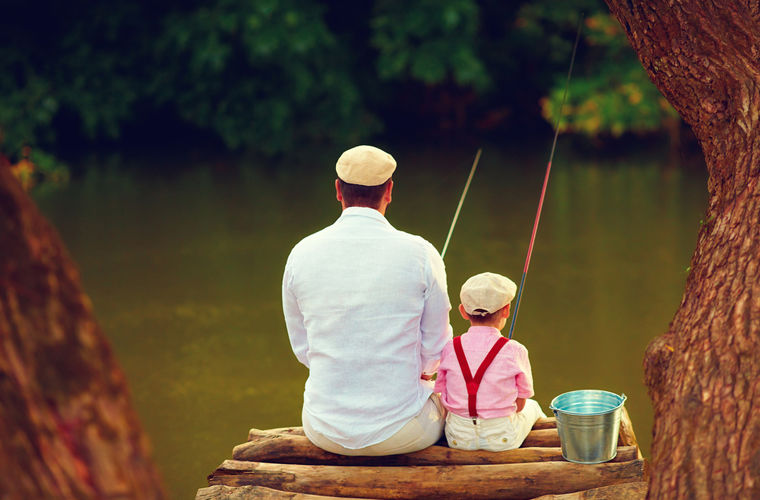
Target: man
[{"x": 367, "y": 312}]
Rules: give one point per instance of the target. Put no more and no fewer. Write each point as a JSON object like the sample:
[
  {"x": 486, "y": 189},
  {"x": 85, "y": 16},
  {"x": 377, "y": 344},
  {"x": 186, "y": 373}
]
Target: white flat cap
[
  {"x": 486, "y": 293},
  {"x": 365, "y": 166}
]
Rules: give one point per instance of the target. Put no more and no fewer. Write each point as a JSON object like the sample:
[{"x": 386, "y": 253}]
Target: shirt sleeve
[
  {"x": 294, "y": 319},
  {"x": 524, "y": 379},
  {"x": 434, "y": 324}
]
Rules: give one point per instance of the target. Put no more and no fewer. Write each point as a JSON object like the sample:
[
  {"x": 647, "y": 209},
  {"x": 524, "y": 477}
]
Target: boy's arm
[{"x": 524, "y": 379}]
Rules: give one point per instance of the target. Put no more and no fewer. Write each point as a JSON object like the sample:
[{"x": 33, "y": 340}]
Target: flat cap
[
  {"x": 486, "y": 293},
  {"x": 365, "y": 166}
]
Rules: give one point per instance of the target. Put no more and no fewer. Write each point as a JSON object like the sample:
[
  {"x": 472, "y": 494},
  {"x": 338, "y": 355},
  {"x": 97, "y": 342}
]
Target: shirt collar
[
  {"x": 367, "y": 212},
  {"x": 484, "y": 330}
]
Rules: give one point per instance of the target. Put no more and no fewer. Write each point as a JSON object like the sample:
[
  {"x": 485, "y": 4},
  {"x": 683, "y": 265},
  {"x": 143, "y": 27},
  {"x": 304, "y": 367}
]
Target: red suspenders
[{"x": 474, "y": 383}]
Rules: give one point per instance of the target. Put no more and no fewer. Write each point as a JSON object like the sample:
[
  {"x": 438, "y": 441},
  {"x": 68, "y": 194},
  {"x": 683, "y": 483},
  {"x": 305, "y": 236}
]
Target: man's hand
[
  {"x": 425, "y": 376},
  {"x": 520, "y": 404}
]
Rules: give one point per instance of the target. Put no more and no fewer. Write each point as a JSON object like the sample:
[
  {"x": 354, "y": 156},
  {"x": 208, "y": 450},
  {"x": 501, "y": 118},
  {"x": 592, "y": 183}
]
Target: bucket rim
[{"x": 622, "y": 397}]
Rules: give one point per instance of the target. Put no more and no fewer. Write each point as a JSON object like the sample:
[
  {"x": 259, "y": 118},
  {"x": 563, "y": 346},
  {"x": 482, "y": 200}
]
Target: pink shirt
[{"x": 508, "y": 378}]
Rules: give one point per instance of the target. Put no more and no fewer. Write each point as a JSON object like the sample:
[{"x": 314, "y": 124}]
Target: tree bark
[
  {"x": 67, "y": 428},
  {"x": 221, "y": 492},
  {"x": 703, "y": 374}
]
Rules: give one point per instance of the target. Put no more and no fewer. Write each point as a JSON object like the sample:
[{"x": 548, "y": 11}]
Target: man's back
[{"x": 367, "y": 310}]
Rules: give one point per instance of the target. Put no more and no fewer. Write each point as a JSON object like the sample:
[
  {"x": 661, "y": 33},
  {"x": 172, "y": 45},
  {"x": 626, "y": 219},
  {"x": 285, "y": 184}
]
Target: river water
[{"x": 183, "y": 260}]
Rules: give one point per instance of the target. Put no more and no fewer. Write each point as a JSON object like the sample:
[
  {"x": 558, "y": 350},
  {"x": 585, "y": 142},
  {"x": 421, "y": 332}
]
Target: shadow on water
[{"x": 184, "y": 270}]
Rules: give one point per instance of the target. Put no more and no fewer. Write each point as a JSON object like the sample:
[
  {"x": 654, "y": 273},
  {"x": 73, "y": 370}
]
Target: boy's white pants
[{"x": 492, "y": 434}]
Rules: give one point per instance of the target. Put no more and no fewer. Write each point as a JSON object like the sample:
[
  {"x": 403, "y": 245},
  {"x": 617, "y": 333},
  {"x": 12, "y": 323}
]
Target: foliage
[
  {"x": 49, "y": 168},
  {"x": 598, "y": 104},
  {"x": 428, "y": 40},
  {"x": 97, "y": 77},
  {"x": 609, "y": 93},
  {"x": 263, "y": 74},
  {"x": 269, "y": 75},
  {"x": 62, "y": 63},
  {"x": 26, "y": 110},
  {"x": 35, "y": 167}
]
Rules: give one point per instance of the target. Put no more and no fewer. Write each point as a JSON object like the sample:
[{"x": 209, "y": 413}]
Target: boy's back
[
  {"x": 485, "y": 383},
  {"x": 507, "y": 378}
]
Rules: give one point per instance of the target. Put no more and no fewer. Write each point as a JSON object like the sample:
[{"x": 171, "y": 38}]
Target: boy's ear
[
  {"x": 463, "y": 312},
  {"x": 505, "y": 311}
]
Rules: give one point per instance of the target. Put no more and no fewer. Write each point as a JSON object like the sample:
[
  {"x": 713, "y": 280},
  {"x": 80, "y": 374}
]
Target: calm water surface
[{"x": 184, "y": 270}]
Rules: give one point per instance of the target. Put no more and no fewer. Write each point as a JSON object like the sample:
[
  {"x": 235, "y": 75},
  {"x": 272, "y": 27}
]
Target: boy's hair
[
  {"x": 477, "y": 319},
  {"x": 484, "y": 319},
  {"x": 363, "y": 196}
]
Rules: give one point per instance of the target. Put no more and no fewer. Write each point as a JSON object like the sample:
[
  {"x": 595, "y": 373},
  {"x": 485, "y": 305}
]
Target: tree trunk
[
  {"x": 703, "y": 375},
  {"x": 67, "y": 428}
]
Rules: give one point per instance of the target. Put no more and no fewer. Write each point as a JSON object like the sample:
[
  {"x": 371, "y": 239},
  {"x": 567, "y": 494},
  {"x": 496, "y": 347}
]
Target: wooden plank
[
  {"x": 295, "y": 431},
  {"x": 545, "y": 423},
  {"x": 221, "y": 492},
  {"x": 627, "y": 491},
  {"x": 626, "y": 436},
  {"x": 294, "y": 449},
  {"x": 541, "y": 423},
  {"x": 542, "y": 438},
  {"x": 508, "y": 481},
  {"x": 536, "y": 438}
]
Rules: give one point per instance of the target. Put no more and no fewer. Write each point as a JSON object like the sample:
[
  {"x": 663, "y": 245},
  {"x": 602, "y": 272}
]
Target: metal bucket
[{"x": 588, "y": 422}]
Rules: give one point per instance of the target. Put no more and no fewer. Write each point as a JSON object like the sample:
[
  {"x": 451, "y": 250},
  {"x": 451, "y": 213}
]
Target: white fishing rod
[{"x": 461, "y": 201}]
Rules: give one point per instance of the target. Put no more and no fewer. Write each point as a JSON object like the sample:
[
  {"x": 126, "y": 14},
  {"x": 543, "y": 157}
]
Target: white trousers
[
  {"x": 492, "y": 434},
  {"x": 419, "y": 433}
]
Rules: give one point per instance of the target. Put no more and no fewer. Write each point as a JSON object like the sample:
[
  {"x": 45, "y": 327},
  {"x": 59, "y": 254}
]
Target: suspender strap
[{"x": 473, "y": 383}]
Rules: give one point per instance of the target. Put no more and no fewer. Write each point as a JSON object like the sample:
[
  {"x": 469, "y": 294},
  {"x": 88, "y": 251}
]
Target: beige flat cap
[
  {"x": 365, "y": 166},
  {"x": 486, "y": 293}
]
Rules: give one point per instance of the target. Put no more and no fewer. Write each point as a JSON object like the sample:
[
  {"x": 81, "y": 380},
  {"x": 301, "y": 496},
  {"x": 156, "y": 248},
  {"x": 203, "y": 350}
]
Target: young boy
[{"x": 495, "y": 414}]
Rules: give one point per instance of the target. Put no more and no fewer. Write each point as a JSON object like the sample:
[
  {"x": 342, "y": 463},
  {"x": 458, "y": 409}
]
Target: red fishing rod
[{"x": 546, "y": 182}]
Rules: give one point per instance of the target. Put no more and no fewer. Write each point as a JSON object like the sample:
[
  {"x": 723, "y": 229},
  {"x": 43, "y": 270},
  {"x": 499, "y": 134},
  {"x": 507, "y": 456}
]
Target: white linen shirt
[{"x": 367, "y": 312}]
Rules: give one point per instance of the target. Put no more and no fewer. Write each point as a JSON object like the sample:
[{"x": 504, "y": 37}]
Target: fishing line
[
  {"x": 461, "y": 200},
  {"x": 546, "y": 181}
]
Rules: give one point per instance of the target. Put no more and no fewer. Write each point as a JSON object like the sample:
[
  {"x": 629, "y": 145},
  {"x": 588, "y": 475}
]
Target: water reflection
[{"x": 184, "y": 270}]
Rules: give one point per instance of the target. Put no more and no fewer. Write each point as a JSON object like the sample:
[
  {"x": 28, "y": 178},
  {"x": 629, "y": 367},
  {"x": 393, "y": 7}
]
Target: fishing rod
[
  {"x": 461, "y": 200},
  {"x": 546, "y": 181}
]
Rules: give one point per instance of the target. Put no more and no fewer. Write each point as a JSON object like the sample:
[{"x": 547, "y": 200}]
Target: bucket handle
[{"x": 622, "y": 395}]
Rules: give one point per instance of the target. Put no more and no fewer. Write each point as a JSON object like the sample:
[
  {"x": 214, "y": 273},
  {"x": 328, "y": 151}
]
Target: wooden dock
[{"x": 282, "y": 463}]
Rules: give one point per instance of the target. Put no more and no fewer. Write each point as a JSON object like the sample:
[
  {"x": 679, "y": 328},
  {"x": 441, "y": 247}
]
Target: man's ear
[
  {"x": 463, "y": 312},
  {"x": 338, "y": 194},
  {"x": 505, "y": 311},
  {"x": 388, "y": 191}
]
